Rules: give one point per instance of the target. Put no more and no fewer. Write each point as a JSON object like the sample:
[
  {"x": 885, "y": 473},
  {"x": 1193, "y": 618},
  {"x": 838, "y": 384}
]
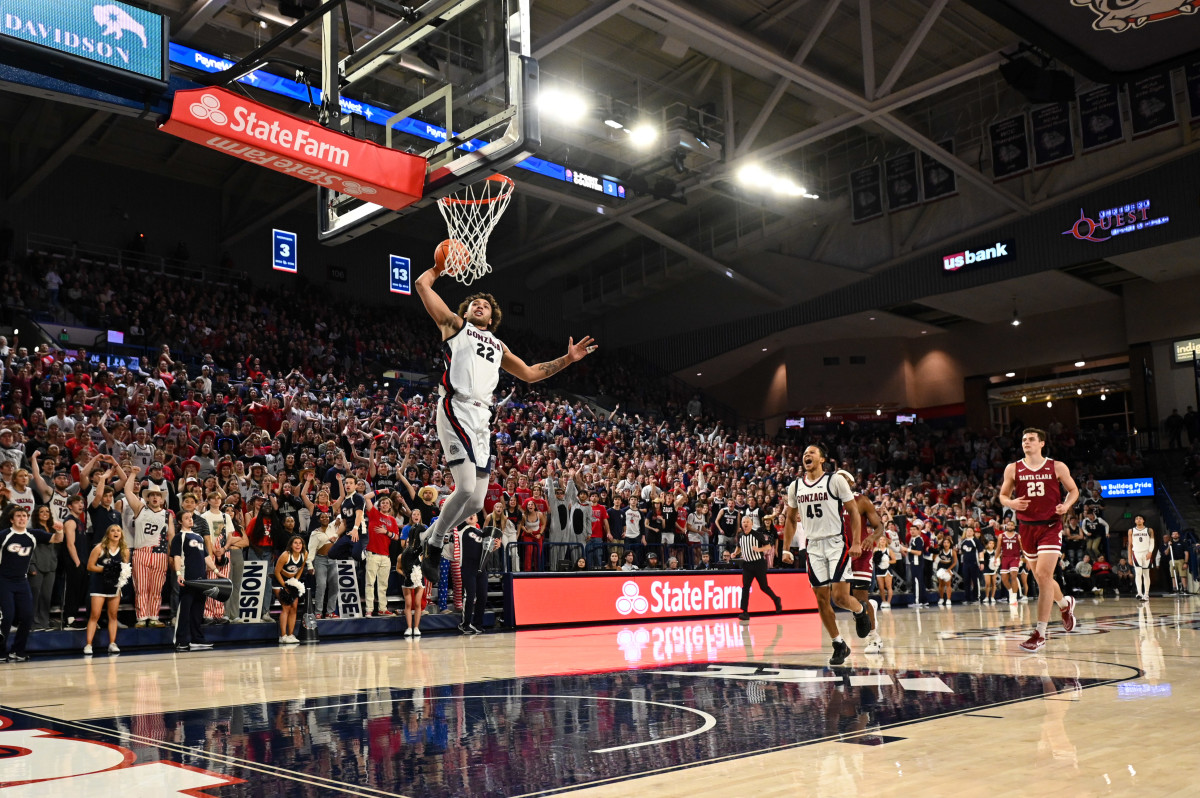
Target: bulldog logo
[{"x": 1119, "y": 16}]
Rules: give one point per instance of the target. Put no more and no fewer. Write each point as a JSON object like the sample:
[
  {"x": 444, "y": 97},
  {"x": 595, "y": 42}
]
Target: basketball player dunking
[
  {"x": 819, "y": 497},
  {"x": 473, "y": 357},
  {"x": 1031, "y": 488},
  {"x": 861, "y": 566},
  {"x": 1140, "y": 545}
]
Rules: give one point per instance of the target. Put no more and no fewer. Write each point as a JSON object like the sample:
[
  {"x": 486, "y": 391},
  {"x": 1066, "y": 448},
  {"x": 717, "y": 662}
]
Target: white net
[{"x": 470, "y": 215}]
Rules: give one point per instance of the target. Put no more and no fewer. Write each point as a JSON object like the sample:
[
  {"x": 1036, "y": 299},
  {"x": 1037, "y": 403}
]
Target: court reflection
[{"x": 528, "y": 734}]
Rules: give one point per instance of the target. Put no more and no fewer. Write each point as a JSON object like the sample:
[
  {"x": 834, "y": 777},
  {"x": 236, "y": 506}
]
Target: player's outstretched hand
[{"x": 578, "y": 351}]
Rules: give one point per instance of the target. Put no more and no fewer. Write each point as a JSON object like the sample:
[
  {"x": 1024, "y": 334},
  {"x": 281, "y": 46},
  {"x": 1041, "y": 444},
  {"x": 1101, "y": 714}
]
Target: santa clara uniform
[
  {"x": 1010, "y": 553},
  {"x": 860, "y": 566},
  {"x": 1039, "y": 525},
  {"x": 472, "y": 360}
]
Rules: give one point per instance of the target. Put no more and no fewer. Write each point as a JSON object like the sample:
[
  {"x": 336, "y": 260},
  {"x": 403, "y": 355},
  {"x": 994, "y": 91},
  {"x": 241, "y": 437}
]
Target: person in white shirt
[{"x": 633, "y": 538}]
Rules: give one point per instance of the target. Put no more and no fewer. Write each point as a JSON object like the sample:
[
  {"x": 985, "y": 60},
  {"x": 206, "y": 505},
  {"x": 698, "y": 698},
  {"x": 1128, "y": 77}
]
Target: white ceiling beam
[
  {"x": 705, "y": 26},
  {"x": 654, "y": 234},
  {"x": 910, "y": 49},
  {"x": 782, "y": 84},
  {"x": 199, "y": 14},
  {"x": 579, "y": 24}
]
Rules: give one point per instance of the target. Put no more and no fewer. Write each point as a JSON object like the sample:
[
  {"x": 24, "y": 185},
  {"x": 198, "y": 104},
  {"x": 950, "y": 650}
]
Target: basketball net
[{"x": 470, "y": 215}]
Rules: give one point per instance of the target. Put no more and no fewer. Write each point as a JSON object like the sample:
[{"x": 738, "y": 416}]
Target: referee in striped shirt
[{"x": 752, "y": 544}]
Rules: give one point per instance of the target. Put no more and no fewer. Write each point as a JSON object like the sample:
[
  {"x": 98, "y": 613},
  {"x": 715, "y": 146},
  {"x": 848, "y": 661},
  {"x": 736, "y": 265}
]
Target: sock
[
  {"x": 1041, "y": 627},
  {"x": 838, "y": 639},
  {"x": 861, "y": 609},
  {"x": 1062, "y": 603}
]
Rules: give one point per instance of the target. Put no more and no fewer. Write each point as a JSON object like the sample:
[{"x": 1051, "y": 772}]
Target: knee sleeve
[{"x": 461, "y": 502}]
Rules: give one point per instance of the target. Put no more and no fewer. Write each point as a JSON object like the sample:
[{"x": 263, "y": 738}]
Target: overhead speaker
[{"x": 1038, "y": 84}]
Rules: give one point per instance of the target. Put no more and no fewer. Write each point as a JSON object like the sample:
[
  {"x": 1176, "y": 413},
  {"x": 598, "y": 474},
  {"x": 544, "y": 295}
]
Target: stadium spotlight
[
  {"x": 751, "y": 175},
  {"x": 1024, "y": 399},
  {"x": 566, "y": 106},
  {"x": 1010, "y": 374},
  {"x": 643, "y": 135}
]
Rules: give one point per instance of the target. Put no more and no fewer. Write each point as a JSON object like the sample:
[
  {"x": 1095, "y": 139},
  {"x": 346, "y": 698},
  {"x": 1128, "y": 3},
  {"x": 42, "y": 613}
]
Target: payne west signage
[
  {"x": 229, "y": 123},
  {"x": 993, "y": 253}
]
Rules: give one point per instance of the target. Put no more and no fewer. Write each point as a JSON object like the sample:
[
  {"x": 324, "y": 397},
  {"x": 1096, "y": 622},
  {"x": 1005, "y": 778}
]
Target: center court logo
[{"x": 631, "y": 600}]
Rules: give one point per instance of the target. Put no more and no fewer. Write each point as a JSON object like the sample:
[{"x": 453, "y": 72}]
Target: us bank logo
[{"x": 631, "y": 600}]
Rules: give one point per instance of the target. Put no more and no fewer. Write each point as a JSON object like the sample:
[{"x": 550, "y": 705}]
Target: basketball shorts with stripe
[
  {"x": 464, "y": 430},
  {"x": 828, "y": 561},
  {"x": 1040, "y": 539}
]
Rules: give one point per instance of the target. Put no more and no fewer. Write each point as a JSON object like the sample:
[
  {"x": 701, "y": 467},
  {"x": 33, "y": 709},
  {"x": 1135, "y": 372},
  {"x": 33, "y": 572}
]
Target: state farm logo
[
  {"x": 209, "y": 108},
  {"x": 631, "y": 600},
  {"x": 997, "y": 252}
]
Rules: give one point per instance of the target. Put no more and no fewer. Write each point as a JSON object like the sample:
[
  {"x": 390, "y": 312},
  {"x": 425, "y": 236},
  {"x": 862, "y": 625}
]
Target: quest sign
[{"x": 226, "y": 122}]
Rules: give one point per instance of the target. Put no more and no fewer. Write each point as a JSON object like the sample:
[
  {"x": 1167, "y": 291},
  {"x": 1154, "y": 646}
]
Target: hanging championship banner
[
  {"x": 1191, "y": 77},
  {"x": 1151, "y": 104},
  {"x": 254, "y": 588},
  {"x": 866, "y": 194},
  {"x": 1100, "y": 118},
  {"x": 938, "y": 180},
  {"x": 349, "y": 598},
  {"x": 903, "y": 185},
  {"x": 1052, "y": 139},
  {"x": 1010, "y": 147}
]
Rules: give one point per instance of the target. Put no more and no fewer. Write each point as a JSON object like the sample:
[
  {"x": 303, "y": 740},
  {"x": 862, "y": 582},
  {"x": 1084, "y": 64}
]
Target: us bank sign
[{"x": 103, "y": 34}]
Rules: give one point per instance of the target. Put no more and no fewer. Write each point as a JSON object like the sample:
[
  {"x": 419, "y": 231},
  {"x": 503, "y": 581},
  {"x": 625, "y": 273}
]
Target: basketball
[{"x": 450, "y": 256}]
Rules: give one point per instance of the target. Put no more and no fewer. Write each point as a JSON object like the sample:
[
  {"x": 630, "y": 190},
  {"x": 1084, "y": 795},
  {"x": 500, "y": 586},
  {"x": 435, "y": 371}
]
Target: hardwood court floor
[{"x": 695, "y": 708}]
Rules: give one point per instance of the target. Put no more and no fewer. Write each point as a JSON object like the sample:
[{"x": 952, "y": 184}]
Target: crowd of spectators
[{"x": 270, "y": 406}]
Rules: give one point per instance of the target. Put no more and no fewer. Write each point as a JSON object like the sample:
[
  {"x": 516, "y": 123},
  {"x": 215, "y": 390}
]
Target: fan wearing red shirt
[
  {"x": 382, "y": 529},
  {"x": 600, "y": 533},
  {"x": 494, "y": 495}
]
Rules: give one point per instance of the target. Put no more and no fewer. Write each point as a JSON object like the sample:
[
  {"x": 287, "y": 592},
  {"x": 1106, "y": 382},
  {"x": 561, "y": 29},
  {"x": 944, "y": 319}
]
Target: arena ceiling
[{"x": 809, "y": 88}]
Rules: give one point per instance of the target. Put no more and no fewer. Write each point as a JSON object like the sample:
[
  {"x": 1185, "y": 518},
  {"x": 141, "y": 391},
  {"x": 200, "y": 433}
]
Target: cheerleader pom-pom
[
  {"x": 296, "y": 585},
  {"x": 126, "y": 575}
]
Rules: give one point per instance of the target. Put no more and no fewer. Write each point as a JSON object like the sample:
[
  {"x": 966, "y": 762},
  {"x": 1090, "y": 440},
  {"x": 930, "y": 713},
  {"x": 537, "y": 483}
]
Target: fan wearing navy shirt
[
  {"x": 190, "y": 558},
  {"x": 476, "y": 544},
  {"x": 16, "y": 599}
]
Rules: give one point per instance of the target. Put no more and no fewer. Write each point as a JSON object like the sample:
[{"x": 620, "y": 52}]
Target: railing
[
  {"x": 101, "y": 254},
  {"x": 1172, "y": 518}
]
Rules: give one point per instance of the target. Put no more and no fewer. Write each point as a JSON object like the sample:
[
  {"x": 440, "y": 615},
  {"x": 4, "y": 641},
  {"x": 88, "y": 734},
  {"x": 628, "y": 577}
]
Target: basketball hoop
[{"x": 470, "y": 215}]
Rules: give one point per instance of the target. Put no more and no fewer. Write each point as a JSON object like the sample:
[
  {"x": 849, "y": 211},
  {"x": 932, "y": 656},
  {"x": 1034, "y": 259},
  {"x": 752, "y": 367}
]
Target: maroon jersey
[
  {"x": 1010, "y": 550},
  {"x": 1041, "y": 488}
]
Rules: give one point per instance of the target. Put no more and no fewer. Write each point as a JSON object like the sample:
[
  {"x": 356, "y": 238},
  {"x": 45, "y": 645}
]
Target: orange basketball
[{"x": 455, "y": 251}]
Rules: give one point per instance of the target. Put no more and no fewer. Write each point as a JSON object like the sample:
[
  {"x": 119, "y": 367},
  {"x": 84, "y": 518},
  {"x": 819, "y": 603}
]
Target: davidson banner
[{"x": 229, "y": 123}]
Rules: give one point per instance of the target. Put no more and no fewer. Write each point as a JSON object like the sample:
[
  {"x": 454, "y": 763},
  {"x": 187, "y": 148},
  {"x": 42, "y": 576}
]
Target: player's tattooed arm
[{"x": 552, "y": 366}]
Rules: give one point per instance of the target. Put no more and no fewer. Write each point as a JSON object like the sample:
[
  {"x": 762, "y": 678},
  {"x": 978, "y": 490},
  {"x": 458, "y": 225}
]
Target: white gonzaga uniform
[
  {"x": 464, "y": 410},
  {"x": 1142, "y": 543},
  {"x": 820, "y": 508}
]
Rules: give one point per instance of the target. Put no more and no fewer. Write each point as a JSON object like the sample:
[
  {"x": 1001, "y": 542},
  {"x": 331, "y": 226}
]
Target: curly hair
[{"x": 491, "y": 300}]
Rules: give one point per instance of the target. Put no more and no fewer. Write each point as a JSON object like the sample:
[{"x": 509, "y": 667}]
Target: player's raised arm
[
  {"x": 540, "y": 371},
  {"x": 447, "y": 321}
]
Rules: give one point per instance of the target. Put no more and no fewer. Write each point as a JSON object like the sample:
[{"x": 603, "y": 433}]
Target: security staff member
[
  {"x": 475, "y": 542},
  {"x": 752, "y": 545},
  {"x": 16, "y": 599}
]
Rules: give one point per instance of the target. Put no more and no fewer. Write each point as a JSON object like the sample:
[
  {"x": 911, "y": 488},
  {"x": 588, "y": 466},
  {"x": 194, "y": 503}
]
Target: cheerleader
[
  {"x": 409, "y": 567},
  {"x": 108, "y": 572},
  {"x": 991, "y": 567},
  {"x": 882, "y": 562},
  {"x": 288, "y": 570},
  {"x": 946, "y": 560}
]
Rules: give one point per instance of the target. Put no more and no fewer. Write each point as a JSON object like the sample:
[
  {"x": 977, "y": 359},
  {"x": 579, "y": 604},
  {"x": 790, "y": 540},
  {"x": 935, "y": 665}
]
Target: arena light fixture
[
  {"x": 1024, "y": 399},
  {"x": 1079, "y": 392},
  {"x": 1049, "y": 404},
  {"x": 878, "y": 411},
  {"x": 1079, "y": 364},
  {"x": 565, "y": 106},
  {"x": 751, "y": 174},
  {"x": 1010, "y": 374},
  {"x": 1103, "y": 398},
  {"x": 643, "y": 135},
  {"x": 828, "y": 413}
]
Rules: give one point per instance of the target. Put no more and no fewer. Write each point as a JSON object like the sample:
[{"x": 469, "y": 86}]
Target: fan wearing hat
[
  {"x": 149, "y": 538},
  {"x": 156, "y": 478}
]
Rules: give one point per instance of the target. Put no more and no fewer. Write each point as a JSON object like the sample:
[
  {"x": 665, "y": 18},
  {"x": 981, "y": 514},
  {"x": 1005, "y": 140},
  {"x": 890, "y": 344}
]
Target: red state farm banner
[
  {"x": 229, "y": 123},
  {"x": 647, "y": 595}
]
